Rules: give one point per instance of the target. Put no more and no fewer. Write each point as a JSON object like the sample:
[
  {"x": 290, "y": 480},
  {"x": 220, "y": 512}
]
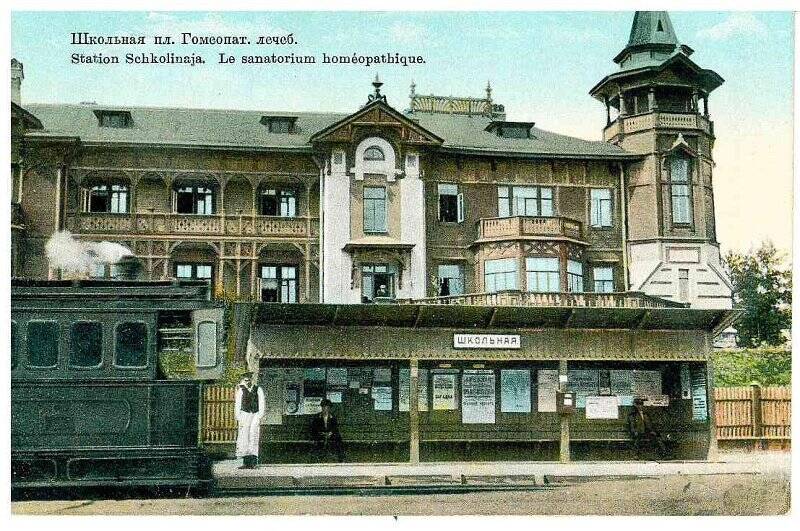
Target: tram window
[
  {"x": 42, "y": 343},
  {"x": 131, "y": 345},
  {"x": 206, "y": 344},
  {"x": 86, "y": 340},
  {"x": 14, "y": 345}
]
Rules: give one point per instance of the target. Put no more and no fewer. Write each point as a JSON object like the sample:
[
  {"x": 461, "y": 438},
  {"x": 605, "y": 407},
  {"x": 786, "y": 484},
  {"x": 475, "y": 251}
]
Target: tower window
[
  {"x": 659, "y": 27},
  {"x": 680, "y": 191},
  {"x": 374, "y": 153}
]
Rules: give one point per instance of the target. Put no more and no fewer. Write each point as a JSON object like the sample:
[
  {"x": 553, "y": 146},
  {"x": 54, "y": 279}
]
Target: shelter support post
[
  {"x": 564, "y": 456},
  {"x": 712, "y": 422},
  {"x": 413, "y": 412}
]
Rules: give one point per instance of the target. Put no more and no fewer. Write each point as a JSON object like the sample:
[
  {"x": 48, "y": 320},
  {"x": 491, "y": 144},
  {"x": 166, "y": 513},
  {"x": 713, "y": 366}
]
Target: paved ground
[{"x": 765, "y": 491}]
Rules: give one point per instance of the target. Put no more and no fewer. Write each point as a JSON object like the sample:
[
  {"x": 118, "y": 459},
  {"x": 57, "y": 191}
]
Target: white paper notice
[
  {"x": 546, "y": 390},
  {"x": 602, "y": 407},
  {"x": 444, "y": 391},
  {"x": 477, "y": 397},
  {"x": 334, "y": 396},
  {"x": 337, "y": 376},
  {"x": 312, "y": 405},
  {"x": 382, "y": 397},
  {"x": 515, "y": 391},
  {"x": 657, "y": 401}
]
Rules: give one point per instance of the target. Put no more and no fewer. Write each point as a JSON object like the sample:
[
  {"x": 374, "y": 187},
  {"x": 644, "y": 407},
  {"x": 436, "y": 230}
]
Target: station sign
[{"x": 491, "y": 341}]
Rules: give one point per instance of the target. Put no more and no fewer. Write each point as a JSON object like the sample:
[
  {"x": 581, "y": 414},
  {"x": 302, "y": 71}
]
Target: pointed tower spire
[{"x": 652, "y": 40}]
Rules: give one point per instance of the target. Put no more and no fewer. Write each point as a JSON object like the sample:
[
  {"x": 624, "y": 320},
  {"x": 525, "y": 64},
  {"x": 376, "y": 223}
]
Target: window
[
  {"x": 377, "y": 282},
  {"x": 114, "y": 119},
  {"x": 107, "y": 198},
  {"x": 574, "y": 276},
  {"x": 543, "y": 274},
  {"x": 451, "y": 204},
  {"x": 683, "y": 285},
  {"x": 451, "y": 280},
  {"x": 600, "y": 207},
  {"x": 281, "y": 203},
  {"x": 280, "y": 124},
  {"x": 603, "y": 279},
  {"x": 499, "y": 275},
  {"x": 130, "y": 348},
  {"x": 86, "y": 344},
  {"x": 374, "y": 153},
  {"x": 278, "y": 283},
  {"x": 524, "y": 201},
  {"x": 206, "y": 344},
  {"x": 194, "y": 200},
  {"x": 374, "y": 209},
  {"x": 14, "y": 345},
  {"x": 42, "y": 343},
  {"x": 680, "y": 191},
  {"x": 194, "y": 271}
]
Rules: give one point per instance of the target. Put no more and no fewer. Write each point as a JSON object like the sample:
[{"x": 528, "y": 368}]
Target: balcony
[
  {"x": 627, "y": 299},
  {"x": 526, "y": 226},
  {"x": 649, "y": 120},
  {"x": 163, "y": 224}
]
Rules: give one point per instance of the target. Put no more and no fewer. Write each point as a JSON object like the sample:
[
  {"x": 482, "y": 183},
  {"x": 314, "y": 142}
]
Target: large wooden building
[{"x": 606, "y": 249}]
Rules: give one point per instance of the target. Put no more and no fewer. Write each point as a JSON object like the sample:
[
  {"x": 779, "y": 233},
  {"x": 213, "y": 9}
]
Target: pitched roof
[{"x": 235, "y": 129}]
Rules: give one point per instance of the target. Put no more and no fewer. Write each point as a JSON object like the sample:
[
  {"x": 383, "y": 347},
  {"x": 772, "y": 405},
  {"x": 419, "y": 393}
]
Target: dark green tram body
[{"x": 90, "y": 405}]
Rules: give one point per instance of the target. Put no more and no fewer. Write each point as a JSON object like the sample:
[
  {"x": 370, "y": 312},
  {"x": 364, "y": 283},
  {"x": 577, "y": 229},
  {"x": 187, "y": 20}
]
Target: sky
[{"x": 541, "y": 66}]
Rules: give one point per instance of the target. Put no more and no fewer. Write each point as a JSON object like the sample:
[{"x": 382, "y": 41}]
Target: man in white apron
[{"x": 250, "y": 408}]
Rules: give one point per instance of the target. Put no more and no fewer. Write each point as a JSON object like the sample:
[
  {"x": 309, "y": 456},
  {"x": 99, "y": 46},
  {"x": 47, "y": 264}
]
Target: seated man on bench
[
  {"x": 325, "y": 431},
  {"x": 641, "y": 430}
]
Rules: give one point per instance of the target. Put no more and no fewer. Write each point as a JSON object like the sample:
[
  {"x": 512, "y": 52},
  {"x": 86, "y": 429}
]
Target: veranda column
[
  {"x": 413, "y": 412},
  {"x": 564, "y": 456}
]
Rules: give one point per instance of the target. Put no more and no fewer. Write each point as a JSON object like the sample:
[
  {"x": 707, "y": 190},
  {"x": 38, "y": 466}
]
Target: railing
[
  {"x": 628, "y": 299},
  {"x": 491, "y": 228},
  {"x": 672, "y": 120},
  {"x": 187, "y": 224}
]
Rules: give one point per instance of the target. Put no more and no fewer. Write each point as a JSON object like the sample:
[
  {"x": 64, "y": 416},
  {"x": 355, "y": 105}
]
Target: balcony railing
[
  {"x": 188, "y": 224},
  {"x": 628, "y": 299},
  {"x": 517, "y": 226},
  {"x": 649, "y": 120}
]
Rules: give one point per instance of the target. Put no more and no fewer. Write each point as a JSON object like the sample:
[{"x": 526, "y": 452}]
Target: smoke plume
[{"x": 78, "y": 257}]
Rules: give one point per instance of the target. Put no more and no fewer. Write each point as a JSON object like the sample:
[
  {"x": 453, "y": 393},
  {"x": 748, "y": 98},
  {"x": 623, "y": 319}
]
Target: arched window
[{"x": 374, "y": 153}]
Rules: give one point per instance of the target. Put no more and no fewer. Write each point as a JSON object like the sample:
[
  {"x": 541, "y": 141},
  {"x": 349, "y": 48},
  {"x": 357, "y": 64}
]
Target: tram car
[{"x": 97, "y": 398}]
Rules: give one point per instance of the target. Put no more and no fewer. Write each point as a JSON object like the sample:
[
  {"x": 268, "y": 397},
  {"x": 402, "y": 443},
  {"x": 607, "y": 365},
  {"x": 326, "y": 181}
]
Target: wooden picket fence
[
  {"x": 757, "y": 414},
  {"x": 754, "y": 413}
]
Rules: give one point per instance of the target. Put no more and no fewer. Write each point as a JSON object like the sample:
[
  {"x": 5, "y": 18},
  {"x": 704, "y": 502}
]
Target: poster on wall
[
  {"x": 646, "y": 384},
  {"x": 515, "y": 391},
  {"x": 583, "y": 382},
  {"x": 621, "y": 382},
  {"x": 547, "y": 385},
  {"x": 314, "y": 374},
  {"x": 602, "y": 407},
  {"x": 274, "y": 395},
  {"x": 404, "y": 390},
  {"x": 334, "y": 396},
  {"x": 382, "y": 375},
  {"x": 686, "y": 382},
  {"x": 444, "y": 391},
  {"x": 699, "y": 397},
  {"x": 293, "y": 383},
  {"x": 313, "y": 392},
  {"x": 477, "y": 396},
  {"x": 657, "y": 401},
  {"x": 422, "y": 390},
  {"x": 604, "y": 382},
  {"x": 312, "y": 405},
  {"x": 382, "y": 398},
  {"x": 337, "y": 376}
]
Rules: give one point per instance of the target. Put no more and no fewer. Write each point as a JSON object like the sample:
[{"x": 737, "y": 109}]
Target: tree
[{"x": 762, "y": 285}]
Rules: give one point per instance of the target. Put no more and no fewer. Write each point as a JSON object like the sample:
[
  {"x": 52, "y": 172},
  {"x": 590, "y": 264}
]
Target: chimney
[{"x": 17, "y": 76}]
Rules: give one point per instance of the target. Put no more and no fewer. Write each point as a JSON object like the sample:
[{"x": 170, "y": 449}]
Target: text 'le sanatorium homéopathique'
[{"x": 220, "y": 57}]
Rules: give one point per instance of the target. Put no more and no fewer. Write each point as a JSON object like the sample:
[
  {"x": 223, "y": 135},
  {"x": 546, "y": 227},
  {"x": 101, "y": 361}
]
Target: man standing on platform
[{"x": 250, "y": 408}]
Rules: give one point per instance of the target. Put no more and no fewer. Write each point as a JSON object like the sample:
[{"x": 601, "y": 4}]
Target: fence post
[{"x": 755, "y": 412}]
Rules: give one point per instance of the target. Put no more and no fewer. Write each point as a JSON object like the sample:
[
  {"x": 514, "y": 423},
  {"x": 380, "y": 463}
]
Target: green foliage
[
  {"x": 767, "y": 366},
  {"x": 763, "y": 289}
]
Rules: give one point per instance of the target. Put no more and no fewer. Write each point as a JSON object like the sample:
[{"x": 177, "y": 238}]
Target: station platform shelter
[{"x": 479, "y": 381}]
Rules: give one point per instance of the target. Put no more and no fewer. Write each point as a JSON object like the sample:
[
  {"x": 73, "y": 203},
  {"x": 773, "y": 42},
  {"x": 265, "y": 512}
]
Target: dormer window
[
  {"x": 374, "y": 153},
  {"x": 280, "y": 124},
  {"x": 116, "y": 119},
  {"x": 510, "y": 129}
]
